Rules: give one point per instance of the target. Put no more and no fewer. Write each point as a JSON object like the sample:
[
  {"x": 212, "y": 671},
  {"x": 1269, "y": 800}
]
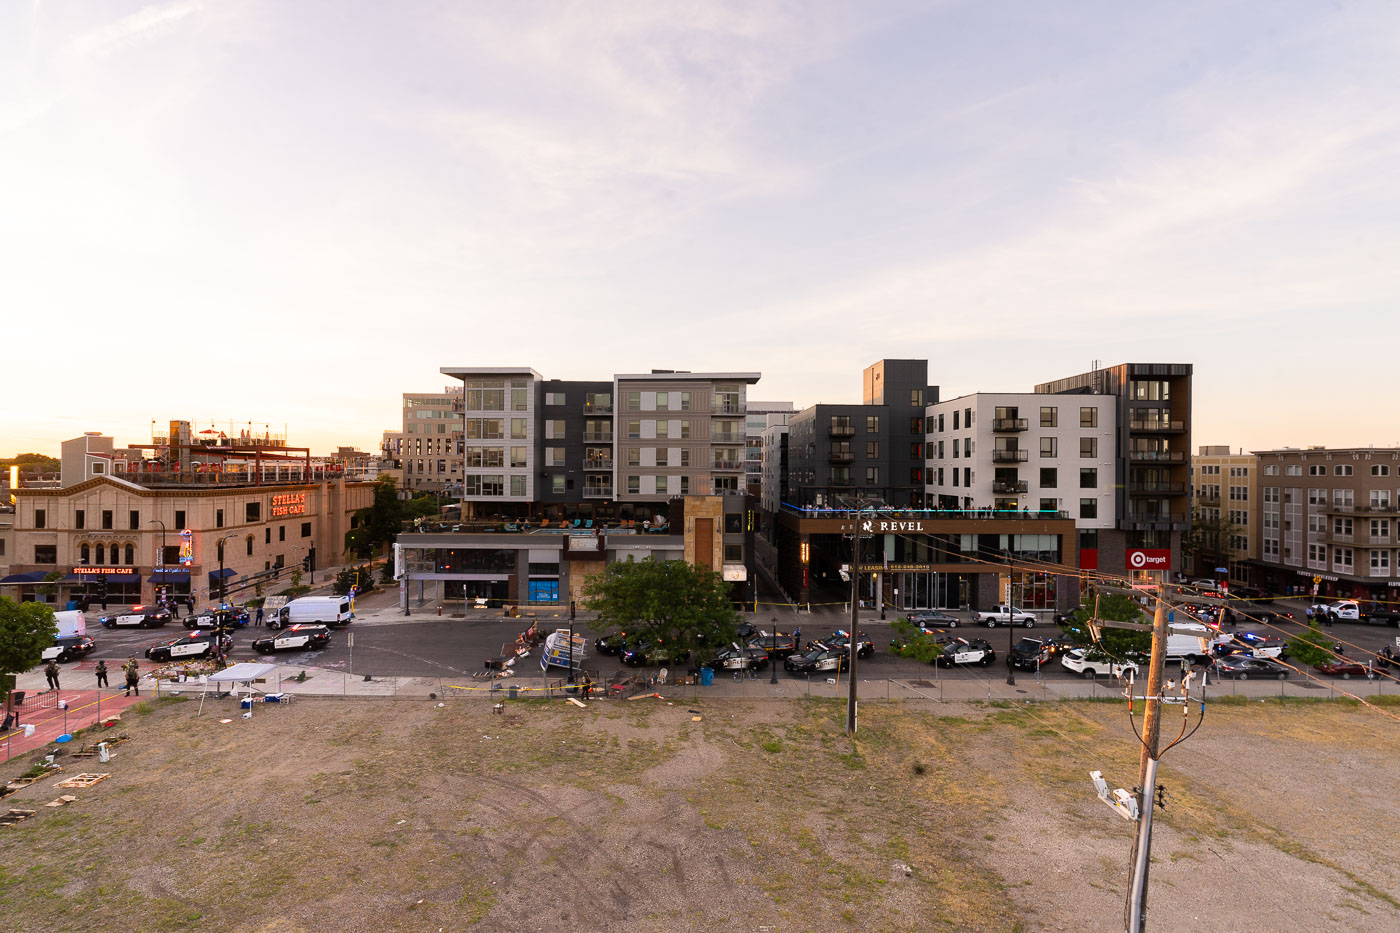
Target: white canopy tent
[{"x": 245, "y": 672}]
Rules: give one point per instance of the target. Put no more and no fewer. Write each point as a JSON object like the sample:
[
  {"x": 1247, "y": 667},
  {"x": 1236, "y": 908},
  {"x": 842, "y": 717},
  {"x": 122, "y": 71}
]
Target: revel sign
[{"x": 1149, "y": 559}]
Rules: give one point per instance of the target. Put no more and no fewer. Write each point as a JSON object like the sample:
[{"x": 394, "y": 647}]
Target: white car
[
  {"x": 1089, "y": 667},
  {"x": 1343, "y": 610}
]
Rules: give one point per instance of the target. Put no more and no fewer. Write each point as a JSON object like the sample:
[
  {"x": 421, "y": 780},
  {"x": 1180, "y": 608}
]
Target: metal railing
[
  {"x": 1177, "y": 518},
  {"x": 1010, "y": 424},
  {"x": 837, "y": 456},
  {"x": 597, "y": 437},
  {"x": 841, "y": 430},
  {"x": 1157, "y": 456},
  {"x": 727, "y": 465},
  {"x": 1158, "y": 489},
  {"x": 597, "y": 492},
  {"x": 1012, "y": 455},
  {"x": 1010, "y": 488},
  {"x": 597, "y": 464},
  {"x": 1156, "y": 425}
]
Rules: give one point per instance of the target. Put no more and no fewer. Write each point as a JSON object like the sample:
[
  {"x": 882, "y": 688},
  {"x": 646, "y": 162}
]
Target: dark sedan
[
  {"x": 646, "y": 653},
  {"x": 611, "y": 645},
  {"x": 933, "y": 619},
  {"x": 296, "y": 638},
  {"x": 777, "y": 646},
  {"x": 1344, "y": 668},
  {"x": 842, "y": 639},
  {"x": 1243, "y": 667},
  {"x": 1031, "y": 654},
  {"x": 817, "y": 660}
]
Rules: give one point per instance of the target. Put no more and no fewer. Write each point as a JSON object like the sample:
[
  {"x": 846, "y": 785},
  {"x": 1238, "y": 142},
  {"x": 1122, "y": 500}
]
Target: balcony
[
  {"x": 1345, "y": 508},
  {"x": 598, "y": 408},
  {"x": 597, "y": 492},
  {"x": 1012, "y": 488},
  {"x": 597, "y": 464},
  {"x": 1157, "y": 427},
  {"x": 842, "y": 430},
  {"x": 727, "y": 438},
  {"x": 1012, "y": 455},
  {"x": 837, "y": 456},
  {"x": 728, "y": 408},
  {"x": 735, "y": 465},
  {"x": 1157, "y": 489},
  {"x": 1379, "y": 509},
  {"x": 1211, "y": 500},
  {"x": 1176, "y": 518},
  {"x": 597, "y": 437},
  {"x": 1157, "y": 456},
  {"x": 1004, "y": 425}
]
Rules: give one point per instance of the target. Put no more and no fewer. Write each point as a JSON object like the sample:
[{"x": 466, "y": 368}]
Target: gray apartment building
[{"x": 1330, "y": 515}]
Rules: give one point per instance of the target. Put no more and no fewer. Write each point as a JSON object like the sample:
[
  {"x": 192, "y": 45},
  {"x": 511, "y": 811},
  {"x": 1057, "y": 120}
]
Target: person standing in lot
[
  {"x": 51, "y": 673},
  {"x": 259, "y": 621},
  {"x": 101, "y": 674},
  {"x": 133, "y": 676}
]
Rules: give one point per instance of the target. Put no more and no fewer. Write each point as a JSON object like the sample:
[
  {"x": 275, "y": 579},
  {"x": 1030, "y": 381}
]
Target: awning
[
  {"x": 33, "y": 576},
  {"x": 243, "y": 672},
  {"x": 117, "y": 577},
  {"x": 162, "y": 577},
  {"x": 225, "y": 572}
]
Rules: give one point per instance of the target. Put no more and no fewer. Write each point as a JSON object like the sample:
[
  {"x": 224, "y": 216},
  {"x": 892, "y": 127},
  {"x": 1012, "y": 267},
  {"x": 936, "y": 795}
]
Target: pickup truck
[
  {"x": 1006, "y": 615},
  {"x": 1349, "y": 610}
]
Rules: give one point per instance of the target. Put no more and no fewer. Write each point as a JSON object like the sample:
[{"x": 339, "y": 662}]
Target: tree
[
  {"x": 361, "y": 578},
  {"x": 673, "y": 603},
  {"x": 378, "y": 524},
  {"x": 1209, "y": 540},
  {"x": 1116, "y": 642},
  {"x": 33, "y": 463},
  {"x": 1312, "y": 646},
  {"x": 26, "y": 629}
]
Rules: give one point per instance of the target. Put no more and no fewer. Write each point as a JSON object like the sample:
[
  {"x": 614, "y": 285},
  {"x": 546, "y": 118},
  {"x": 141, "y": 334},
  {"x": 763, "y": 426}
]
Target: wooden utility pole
[{"x": 1147, "y": 767}]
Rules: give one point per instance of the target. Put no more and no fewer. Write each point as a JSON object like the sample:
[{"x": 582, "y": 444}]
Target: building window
[
  {"x": 267, "y": 535},
  {"x": 1380, "y": 469},
  {"x": 306, "y": 529},
  {"x": 218, "y": 518},
  {"x": 1088, "y": 508},
  {"x": 248, "y": 545},
  {"x": 281, "y": 532},
  {"x": 733, "y": 553},
  {"x": 1380, "y": 563},
  {"x": 685, "y": 485},
  {"x": 1315, "y": 469},
  {"x": 634, "y": 429},
  {"x": 554, "y": 456},
  {"x": 84, "y": 554},
  {"x": 663, "y": 402},
  {"x": 872, "y": 424},
  {"x": 1342, "y": 469},
  {"x": 107, "y": 519},
  {"x": 872, "y": 476},
  {"x": 1088, "y": 417},
  {"x": 872, "y": 450},
  {"x": 956, "y": 441},
  {"x": 685, "y": 456},
  {"x": 1049, "y": 417},
  {"x": 39, "y": 518},
  {"x": 1089, "y": 446},
  {"x": 1088, "y": 478},
  {"x": 956, "y": 415},
  {"x": 1049, "y": 477},
  {"x": 80, "y": 519},
  {"x": 1049, "y": 447},
  {"x": 556, "y": 483},
  {"x": 519, "y": 400},
  {"x": 129, "y": 555},
  {"x": 45, "y": 553},
  {"x": 663, "y": 457},
  {"x": 634, "y": 485},
  {"x": 1049, "y": 505},
  {"x": 916, "y": 426}
]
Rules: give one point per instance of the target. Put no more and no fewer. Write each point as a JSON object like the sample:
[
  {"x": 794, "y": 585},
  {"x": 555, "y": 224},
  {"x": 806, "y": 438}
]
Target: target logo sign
[{"x": 1149, "y": 559}]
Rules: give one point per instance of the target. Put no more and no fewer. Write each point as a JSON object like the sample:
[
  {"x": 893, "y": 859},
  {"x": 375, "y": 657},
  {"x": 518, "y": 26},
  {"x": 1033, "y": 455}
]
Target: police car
[
  {"x": 191, "y": 645},
  {"x": 964, "y": 651},
  {"x": 215, "y": 618},
  {"x": 296, "y": 638},
  {"x": 69, "y": 648},
  {"x": 818, "y": 659},
  {"x": 137, "y": 617}
]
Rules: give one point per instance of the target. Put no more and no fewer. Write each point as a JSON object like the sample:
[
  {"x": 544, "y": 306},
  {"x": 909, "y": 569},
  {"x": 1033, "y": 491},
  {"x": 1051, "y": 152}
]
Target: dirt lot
[{"x": 397, "y": 815}]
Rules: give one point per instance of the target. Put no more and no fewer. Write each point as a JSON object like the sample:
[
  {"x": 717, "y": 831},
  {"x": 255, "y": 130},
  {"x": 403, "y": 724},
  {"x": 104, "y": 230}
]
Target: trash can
[
  {"x": 512, "y": 690},
  {"x": 707, "y": 676}
]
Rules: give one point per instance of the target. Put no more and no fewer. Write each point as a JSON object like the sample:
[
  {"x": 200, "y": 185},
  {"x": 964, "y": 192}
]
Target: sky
[{"x": 234, "y": 211}]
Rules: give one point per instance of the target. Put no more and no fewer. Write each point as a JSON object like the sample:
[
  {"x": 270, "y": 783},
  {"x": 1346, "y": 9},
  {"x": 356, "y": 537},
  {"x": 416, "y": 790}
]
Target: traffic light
[
  {"x": 306, "y": 562},
  {"x": 102, "y": 589}
]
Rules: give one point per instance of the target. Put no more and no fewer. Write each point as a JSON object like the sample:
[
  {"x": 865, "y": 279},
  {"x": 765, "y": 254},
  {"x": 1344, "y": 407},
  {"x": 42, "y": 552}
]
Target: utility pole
[
  {"x": 1147, "y": 767},
  {"x": 855, "y": 626}
]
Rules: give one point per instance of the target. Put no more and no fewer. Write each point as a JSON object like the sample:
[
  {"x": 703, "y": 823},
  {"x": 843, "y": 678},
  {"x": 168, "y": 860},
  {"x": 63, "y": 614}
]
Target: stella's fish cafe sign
[{"x": 292, "y": 503}]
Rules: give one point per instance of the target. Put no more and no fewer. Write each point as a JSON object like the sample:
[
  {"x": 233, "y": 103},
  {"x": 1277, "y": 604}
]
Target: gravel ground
[{"x": 378, "y": 814}]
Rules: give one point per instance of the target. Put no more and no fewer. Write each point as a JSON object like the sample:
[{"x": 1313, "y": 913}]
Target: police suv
[
  {"x": 190, "y": 645},
  {"x": 296, "y": 638},
  {"x": 137, "y": 617}
]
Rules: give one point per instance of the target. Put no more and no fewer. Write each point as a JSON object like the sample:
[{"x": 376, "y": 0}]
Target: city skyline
[{"x": 247, "y": 212}]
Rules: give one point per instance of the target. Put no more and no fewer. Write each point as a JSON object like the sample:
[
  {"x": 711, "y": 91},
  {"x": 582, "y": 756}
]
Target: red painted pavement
[{"x": 49, "y": 723}]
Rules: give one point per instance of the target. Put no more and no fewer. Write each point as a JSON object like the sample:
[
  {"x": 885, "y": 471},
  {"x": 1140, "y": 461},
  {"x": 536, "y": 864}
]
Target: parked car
[
  {"x": 69, "y": 648},
  {"x": 842, "y": 639},
  {"x": 1089, "y": 664},
  {"x": 296, "y": 638},
  {"x": 933, "y": 619},
  {"x": 740, "y": 659},
  {"x": 190, "y": 645},
  {"x": 966, "y": 651},
  {"x": 611, "y": 645},
  {"x": 647, "y": 653},
  {"x": 137, "y": 617},
  {"x": 777, "y": 646},
  {"x": 1006, "y": 615},
  {"x": 817, "y": 660},
  {"x": 218, "y": 618},
  {"x": 1345, "y": 668},
  {"x": 1380, "y": 614},
  {"x": 1243, "y": 667},
  {"x": 1031, "y": 654}
]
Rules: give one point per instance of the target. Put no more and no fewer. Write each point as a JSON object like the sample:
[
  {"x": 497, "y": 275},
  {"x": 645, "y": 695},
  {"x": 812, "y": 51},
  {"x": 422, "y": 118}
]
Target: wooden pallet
[
  {"x": 83, "y": 780},
  {"x": 60, "y": 801},
  {"x": 15, "y": 816}
]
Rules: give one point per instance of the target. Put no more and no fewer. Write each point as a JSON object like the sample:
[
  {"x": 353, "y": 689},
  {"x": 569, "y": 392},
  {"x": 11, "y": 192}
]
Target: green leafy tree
[
  {"x": 671, "y": 603},
  {"x": 380, "y": 523},
  {"x": 1209, "y": 541},
  {"x": 26, "y": 629},
  {"x": 422, "y": 506},
  {"x": 1311, "y": 646},
  {"x": 1116, "y": 642},
  {"x": 907, "y": 640},
  {"x": 362, "y": 578},
  {"x": 33, "y": 463}
]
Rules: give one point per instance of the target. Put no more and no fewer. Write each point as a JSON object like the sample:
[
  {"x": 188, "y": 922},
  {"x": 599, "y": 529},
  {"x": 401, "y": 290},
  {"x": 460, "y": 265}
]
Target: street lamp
[
  {"x": 223, "y": 587},
  {"x": 1010, "y": 617},
  {"x": 161, "y": 562}
]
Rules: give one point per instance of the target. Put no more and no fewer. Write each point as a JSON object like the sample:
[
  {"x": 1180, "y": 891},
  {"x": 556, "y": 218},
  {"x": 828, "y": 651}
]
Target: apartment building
[
  {"x": 617, "y": 449},
  {"x": 1027, "y": 453},
  {"x": 1330, "y": 515},
  {"x": 1152, "y": 430},
  {"x": 756, "y": 421},
  {"x": 1224, "y": 493},
  {"x": 431, "y": 442},
  {"x": 774, "y": 483}
]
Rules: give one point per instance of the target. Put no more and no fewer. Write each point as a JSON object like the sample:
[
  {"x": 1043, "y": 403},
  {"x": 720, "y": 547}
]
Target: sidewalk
[{"x": 85, "y": 707}]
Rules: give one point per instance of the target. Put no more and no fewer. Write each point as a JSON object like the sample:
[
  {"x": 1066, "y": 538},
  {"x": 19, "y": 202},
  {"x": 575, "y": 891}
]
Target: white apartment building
[
  {"x": 774, "y": 446},
  {"x": 1025, "y": 452},
  {"x": 499, "y": 431}
]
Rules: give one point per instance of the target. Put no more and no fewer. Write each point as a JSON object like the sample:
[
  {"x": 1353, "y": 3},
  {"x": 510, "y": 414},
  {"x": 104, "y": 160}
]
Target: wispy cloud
[{"x": 148, "y": 21}]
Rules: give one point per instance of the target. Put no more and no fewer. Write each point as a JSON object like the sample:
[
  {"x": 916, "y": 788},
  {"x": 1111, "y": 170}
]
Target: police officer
[
  {"x": 51, "y": 672},
  {"x": 101, "y": 672},
  {"x": 133, "y": 676}
]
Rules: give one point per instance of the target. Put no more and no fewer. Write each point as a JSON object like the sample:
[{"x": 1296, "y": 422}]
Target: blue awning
[
  {"x": 226, "y": 572},
  {"x": 33, "y": 576},
  {"x": 163, "y": 577}
]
